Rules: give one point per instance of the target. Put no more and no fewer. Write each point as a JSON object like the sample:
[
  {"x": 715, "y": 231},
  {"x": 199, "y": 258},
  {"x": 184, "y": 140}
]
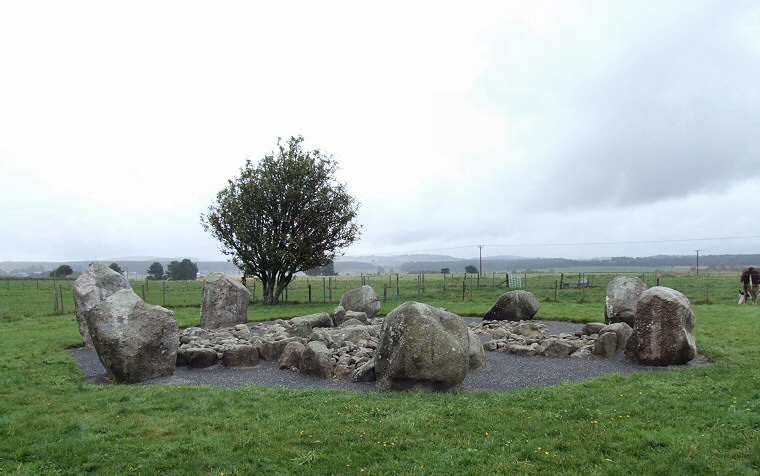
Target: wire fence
[{"x": 35, "y": 297}]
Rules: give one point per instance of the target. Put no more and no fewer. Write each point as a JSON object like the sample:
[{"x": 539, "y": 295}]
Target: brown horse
[{"x": 750, "y": 278}]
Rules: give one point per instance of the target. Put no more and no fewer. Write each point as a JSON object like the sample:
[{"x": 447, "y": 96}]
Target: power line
[
  {"x": 600, "y": 243},
  {"x": 587, "y": 243}
]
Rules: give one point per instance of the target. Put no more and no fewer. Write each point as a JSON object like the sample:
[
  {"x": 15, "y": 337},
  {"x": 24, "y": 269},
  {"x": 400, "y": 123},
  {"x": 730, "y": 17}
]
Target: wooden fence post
[
  {"x": 164, "y": 293},
  {"x": 385, "y": 291},
  {"x": 329, "y": 287},
  {"x": 398, "y": 289},
  {"x": 60, "y": 292},
  {"x": 309, "y": 293},
  {"x": 142, "y": 286},
  {"x": 556, "y": 290},
  {"x": 55, "y": 298}
]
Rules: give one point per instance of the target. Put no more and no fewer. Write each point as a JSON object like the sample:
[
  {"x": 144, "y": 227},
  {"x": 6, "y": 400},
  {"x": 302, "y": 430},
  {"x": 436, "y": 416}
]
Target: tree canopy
[
  {"x": 62, "y": 271},
  {"x": 326, "y": 270},
  {"x": 116, "y": 267},
  {"x": 470, "y": 269},
  {"x": 184, "y": 270},
  {"x": 286, "y": 214},
  {"x": 156, "y": 271}
]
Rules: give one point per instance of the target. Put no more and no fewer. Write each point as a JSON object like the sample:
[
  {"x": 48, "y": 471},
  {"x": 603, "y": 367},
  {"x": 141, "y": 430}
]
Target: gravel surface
[{"x": 504, "y": 371}]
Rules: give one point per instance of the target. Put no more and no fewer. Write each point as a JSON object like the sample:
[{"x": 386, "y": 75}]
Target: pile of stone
[
  {"x": 415, "y": 347},
  {"x": 533, "y": 339}
]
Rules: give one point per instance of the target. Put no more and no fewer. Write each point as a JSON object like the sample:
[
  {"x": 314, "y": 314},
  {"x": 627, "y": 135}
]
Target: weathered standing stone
[
  {"x": 422, "y": 348},
  {"x": 225, "y": 302},
  {"x": 363, "y": 299},
  {"x": 92, "y": 287},
  {"x": 623, "y": 293},
  {"x": 476, "y": 351},
  {"x": 513, "y": 306},
  {"x": 663, "y": 331},
  {"x": 135, "y": 341}
]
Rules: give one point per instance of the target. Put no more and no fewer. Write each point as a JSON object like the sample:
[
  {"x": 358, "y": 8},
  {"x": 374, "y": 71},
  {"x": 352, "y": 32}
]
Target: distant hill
[{"x": 137, "y": 268}]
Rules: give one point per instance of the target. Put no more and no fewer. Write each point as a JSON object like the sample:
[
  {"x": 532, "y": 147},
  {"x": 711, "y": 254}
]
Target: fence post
[
  {"x": 164, "y": 293},
  {"x": 324, "y": 289},
  {"x": 398, "y": 289},
  {"x": 60, "y": 292},
  {"x": 556, "y": 290},
  {"x": 309, "y": 293},
  {"x": 329, "y": 287},
  {"x": 55, "y": 298},
  {"x": 142, "y": 286},
  {"x": 464, "y": 288},
  {"x": 423, "y": 283},
  {"x": 385, "y": 291}
]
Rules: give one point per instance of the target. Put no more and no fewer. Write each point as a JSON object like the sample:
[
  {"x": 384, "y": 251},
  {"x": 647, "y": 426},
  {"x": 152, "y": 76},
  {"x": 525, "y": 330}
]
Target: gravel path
[{"x": 504, "y": 371}]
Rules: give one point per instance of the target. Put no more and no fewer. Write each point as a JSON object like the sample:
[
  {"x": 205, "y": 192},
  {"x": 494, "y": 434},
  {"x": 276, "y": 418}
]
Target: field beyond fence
[{"x": 465, "y": 294}]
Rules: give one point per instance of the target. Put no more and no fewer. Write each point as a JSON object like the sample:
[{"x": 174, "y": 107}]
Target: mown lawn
[{"x": 702, "y": 420}]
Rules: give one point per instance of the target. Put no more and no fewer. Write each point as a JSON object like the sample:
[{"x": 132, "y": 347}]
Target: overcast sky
[{"x": 527, "y": 127}]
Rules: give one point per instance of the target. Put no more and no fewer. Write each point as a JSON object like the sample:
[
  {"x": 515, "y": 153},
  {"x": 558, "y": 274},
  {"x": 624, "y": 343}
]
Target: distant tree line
[
  {"x": 184, "y": 270},
  {"x": 712, "y": 262}
]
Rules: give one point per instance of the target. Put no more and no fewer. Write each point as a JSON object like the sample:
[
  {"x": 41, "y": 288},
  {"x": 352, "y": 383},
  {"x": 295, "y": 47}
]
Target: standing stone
[
  {"x": 92, "y": 287},
  {"x": 663, "y": 330},
  {"x": 225, "y": 302},
  {"x": 623, "y": 293},
  {"x": 363, "y": 299},
  {"x": 476, "y": 351},
  {"x": 422, "y": 348},
  {"x": 135, "y": 341},
  {"x": 513, "y": 306}
]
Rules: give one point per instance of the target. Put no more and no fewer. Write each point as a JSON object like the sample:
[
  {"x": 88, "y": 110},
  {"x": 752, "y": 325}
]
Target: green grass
[{"x": 702, "y": 420}]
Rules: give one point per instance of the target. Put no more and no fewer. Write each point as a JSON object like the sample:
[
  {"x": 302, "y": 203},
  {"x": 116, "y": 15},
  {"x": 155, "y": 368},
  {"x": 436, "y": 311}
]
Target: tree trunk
[{"x": 268, "y": 290}]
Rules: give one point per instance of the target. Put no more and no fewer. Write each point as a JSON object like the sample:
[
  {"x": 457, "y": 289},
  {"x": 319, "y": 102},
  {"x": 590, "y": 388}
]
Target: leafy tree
[
  {"x": 184, "y": 270},
  {"x": 62, "y": 271},
  {"x": 286, "y": 214},
  {"x": 445, "y": 270},
  {"x": 470, "y": 269},
  {"x": 156, "y": 271},
  {"x": 116, "y": 268},
  {"x": 326, "y": 270}
]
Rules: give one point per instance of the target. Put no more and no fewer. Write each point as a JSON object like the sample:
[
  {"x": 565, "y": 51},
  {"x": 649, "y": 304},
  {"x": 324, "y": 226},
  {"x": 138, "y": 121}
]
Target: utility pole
[
  {"x": 481, "y": 260},
  {"x": 697, "y": 261}
]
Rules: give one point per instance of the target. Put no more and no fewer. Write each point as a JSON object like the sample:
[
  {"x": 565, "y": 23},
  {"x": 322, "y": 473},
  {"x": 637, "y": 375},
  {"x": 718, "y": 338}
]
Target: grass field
[{"x": 703, "y": 420}]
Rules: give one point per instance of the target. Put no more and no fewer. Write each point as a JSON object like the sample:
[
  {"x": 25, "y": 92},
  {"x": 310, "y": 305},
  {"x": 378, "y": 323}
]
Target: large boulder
[
  {"x": 663, "y": 330},
  {"x": 623, "y": 292},
  {"x": 513, "y": 306},
  {"x": 225, "y": 302},
  {"x": 316, "y": 360},
  {"x": 92, "y": 287},
  {"x": 135, "y": 341},
  {"x": 422, "y": 348},
  {"x": 363, "y": 299}
]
